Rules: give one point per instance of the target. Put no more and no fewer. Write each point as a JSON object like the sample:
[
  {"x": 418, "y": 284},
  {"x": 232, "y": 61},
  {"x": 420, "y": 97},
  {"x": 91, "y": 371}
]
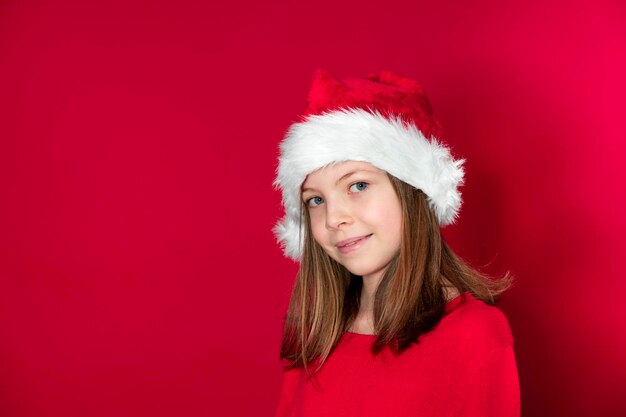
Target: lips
[{"x": 352, "y": 244}]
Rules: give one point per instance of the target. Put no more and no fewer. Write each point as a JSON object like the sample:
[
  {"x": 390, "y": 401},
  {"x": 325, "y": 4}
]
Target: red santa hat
[{"x": 384, "y": 119}]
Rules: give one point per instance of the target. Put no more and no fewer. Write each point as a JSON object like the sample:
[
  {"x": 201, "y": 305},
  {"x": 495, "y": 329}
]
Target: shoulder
[{"x": 477, "y": 325}]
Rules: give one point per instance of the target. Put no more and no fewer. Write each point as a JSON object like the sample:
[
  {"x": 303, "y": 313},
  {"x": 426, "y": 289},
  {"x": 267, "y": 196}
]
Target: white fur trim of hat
[{"x": 356, "y": 134}]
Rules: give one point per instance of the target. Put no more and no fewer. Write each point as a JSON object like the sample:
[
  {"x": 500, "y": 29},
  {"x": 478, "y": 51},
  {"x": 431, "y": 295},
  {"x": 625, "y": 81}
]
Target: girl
[{"x": 384, "y": 319}]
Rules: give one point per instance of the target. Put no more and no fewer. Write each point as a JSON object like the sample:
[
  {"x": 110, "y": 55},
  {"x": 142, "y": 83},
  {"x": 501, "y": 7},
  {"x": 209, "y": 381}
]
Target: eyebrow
[{"x": 342, "y": 178}]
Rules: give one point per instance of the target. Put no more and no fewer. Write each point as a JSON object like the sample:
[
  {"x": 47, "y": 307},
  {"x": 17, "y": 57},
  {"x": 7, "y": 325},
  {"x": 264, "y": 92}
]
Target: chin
[{"x": 361, "y": 270}]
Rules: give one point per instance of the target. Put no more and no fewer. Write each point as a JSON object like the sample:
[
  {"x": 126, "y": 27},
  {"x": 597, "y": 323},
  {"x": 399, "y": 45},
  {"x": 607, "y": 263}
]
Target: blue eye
[
  {"x": 317, "y": 200},
  {"x": 360, "y": 186}
]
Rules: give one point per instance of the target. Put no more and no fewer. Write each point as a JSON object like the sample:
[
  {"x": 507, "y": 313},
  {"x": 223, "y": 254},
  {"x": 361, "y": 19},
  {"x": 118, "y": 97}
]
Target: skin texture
[{"x": 361, "y": 204}]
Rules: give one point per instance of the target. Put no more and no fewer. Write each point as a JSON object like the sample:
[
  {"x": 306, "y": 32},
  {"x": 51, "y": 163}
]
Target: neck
[
  {"x": 370, "y": 284},
  {"x": 364, "y": 321}
]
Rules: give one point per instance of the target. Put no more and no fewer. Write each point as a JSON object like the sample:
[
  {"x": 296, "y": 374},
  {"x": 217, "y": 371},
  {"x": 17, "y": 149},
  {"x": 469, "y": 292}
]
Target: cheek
[
  {"x": 387, "y": 219},
  {"x": 396, "y": 225},
  {"x": 384, "y": 216},
  {"x": 396, "y": 220}
]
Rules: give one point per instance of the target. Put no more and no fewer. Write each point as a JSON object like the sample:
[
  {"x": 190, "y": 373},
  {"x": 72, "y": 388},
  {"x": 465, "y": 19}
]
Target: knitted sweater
[{"x": 465, "y": 367}]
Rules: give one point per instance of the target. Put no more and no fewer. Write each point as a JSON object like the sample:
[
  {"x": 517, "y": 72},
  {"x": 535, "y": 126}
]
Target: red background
[{"x": 138, "y": 142}]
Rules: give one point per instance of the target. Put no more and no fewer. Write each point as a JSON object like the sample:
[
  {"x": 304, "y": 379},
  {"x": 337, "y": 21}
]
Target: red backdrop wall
[{"x": 138, "y": 142}]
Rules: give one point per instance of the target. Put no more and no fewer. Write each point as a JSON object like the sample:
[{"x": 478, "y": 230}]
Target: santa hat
[{"x": 384, "y": 119}]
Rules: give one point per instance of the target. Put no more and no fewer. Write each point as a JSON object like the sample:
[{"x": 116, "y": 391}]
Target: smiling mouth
[{"x": 352, "y": 246}]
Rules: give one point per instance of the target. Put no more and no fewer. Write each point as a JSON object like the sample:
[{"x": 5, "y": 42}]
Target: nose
[{"x": 337, "y": 213}]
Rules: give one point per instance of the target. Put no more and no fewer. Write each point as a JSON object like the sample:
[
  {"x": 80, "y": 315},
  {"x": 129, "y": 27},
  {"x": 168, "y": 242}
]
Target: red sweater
[{"x": 465, "y": 366}]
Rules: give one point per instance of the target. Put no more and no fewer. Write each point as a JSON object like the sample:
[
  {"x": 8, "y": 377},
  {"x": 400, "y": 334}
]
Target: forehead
[{"x": 337, "y": 170}]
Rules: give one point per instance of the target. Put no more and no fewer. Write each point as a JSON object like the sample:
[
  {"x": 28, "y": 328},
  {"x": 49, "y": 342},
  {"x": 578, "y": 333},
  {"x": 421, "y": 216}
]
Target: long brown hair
[{"x": 409, "y": 300}]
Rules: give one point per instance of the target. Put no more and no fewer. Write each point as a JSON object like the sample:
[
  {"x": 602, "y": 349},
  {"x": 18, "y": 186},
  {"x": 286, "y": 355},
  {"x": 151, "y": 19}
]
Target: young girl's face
[{"x": 356, "y": 216}]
